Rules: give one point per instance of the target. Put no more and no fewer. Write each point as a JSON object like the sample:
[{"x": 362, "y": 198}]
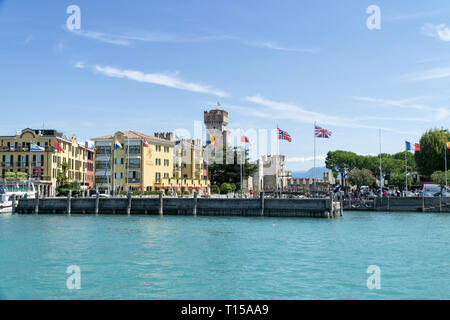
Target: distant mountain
[{"x": 310, "y": 173}]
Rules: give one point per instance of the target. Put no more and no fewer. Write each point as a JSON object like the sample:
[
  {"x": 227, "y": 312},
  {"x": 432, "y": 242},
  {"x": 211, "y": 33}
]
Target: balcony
[
  {"x": 6, "y": 165},
  {"x": 24, "y": 149},
  {"x": 133, "y": 166},
  {"x": 133, "y": 180},
  {"x": 22, "y": 164}
]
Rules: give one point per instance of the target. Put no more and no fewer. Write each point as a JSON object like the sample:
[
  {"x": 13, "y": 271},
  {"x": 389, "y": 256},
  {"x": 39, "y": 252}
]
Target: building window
[
  {"x": 158, "y": 162},
  {"x": 119, "y": 160},
  {"x": 157, "y": 177},
  {"x": 119, "y": 175},
  {"x": 166, "y": 175},
  {"x": 158, "y": 148},
  {"x": 166, "y": 163},
  {"x": 134, "y": 149},
  {"x": 166, "y": 149}
]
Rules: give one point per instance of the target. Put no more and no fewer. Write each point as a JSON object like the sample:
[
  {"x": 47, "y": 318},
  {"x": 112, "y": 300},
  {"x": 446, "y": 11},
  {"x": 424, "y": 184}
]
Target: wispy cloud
[
  {"x": 440, "y": 31},
  {"x": 305, "y": 159},
  {"x": 276, "y": 46},
  {"x": 412, "y": 16},
  {"x": 79, "y": 65},
  {"x": 159, "y": 79},
  {"x": 432, "y": 113},
  {"x": 431, "y": 74},
  {"x": 128, "y": 39},
  {"x": 275, "y": 110}
]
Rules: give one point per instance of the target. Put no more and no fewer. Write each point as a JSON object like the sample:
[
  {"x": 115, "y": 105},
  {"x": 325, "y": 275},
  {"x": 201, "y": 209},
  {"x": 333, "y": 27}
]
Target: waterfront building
[
  {"x": 132, "y": 160},
  {"x": 57, "y": 154},
  {"x": 271, "y": 175},
  {"x": 190, "y": 165},
  {"x": 306, "y": 185}
]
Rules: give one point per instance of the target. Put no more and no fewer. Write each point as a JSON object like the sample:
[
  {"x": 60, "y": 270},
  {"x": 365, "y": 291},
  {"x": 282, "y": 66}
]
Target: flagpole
[
  {"x": 128, "y": 164},
  {"x": 406, "y": 173},
  {"x": 315, "y": 174},
  {"x": 381, "y": 170},
  {"x": 446, "y": 178},
  {"x": 29, "y": 164},
  {"x": 276, "y": 160}
]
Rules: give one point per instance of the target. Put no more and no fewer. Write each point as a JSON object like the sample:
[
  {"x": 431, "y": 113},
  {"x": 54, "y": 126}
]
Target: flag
[
  {"x": 145, "y": 143},
  {"x": 246, "y": 140},
  {"x": 117, "y": 145},
  {"x": 322, "y": 133},
  {"x": 35, "y": 148},
  {"x": 212, "y": 140},
  {"x": 448, "y": 144},
  {"x": 58, "y": 147},
  {"x": 90, "y": 145},
  {"x": 417, "y": 147},
  {"x": 408, "y": 146},
  {"x": 283, "y": 135}
]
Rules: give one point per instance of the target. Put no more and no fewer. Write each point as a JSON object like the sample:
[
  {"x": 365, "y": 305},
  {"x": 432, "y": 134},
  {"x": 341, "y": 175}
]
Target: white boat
[{"x": 21, "y": 189}]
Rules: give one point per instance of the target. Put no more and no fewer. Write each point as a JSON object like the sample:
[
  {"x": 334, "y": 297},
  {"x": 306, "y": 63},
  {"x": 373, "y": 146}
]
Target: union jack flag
[
  {"x": 283, "y": 135},
  {"x": 322, "y": 133}
]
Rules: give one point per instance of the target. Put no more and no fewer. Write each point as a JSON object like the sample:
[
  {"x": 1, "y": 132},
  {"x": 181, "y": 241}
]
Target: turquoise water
[{"x": 145, "y": 257}]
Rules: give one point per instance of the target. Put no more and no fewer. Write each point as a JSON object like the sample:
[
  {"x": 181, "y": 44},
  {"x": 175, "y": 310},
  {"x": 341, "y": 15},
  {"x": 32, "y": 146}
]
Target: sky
[{"x": 154, "y": 66}]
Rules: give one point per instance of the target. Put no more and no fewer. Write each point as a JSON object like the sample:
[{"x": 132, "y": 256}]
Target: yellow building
[
  {"x": 130, "y": 165},
  {"x": 123, "y": 163},
  {"x": 190, "y": 166},
  {"x": 47, "y": 163}
]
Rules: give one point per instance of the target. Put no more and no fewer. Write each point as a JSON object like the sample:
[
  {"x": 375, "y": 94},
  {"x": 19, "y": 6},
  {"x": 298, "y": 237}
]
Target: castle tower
[{"x": 217, "y": 121}]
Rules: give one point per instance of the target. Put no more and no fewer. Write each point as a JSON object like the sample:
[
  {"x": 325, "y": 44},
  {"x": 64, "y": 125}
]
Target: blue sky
[{"x": 157, "y": 65}]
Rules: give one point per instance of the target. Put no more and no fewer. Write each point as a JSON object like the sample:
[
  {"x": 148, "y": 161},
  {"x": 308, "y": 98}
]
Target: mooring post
[
  {"x": 261, "y": 198},
  {"x": 129, "y": 203},
  {"x": 13, "y": 204},
  {"x": 195, "y": 203},
  {"x": 36, "y": 203},
  {"x": 161, "y": 202},
  {"x": 423, "y": 203},
  {"x": 440, "y": 203},
  {"x": 97, "y": 200},
  {"x": 388, "y": 203},
  {"x": 342, "y": 205},
  {"x": 69, "y": 202}
]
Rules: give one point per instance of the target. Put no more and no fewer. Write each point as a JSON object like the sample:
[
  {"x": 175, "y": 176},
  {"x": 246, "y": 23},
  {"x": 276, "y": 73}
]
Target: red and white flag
[
  {"x": 58, "y": 147},
  {"x": 145, "y": 143},
  {"x": 245, "y": 139}
]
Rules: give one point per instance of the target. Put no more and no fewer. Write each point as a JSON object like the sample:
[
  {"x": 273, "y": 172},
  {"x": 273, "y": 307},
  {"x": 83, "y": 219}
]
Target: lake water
[{"x": 152, "y": 257}]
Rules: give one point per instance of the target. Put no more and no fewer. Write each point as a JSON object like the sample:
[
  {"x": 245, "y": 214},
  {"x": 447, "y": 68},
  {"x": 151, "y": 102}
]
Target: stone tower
[{"x": 217, "y": 121}]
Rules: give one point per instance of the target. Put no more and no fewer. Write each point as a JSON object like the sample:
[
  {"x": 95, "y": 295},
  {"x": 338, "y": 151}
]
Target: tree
[
  {"x": 225, "y": 188},
  {"x": 430, "y": 158},
  {"x": 439, "y": 177},
  {"x": 231, "y": 173},
  {"x": 361, "y": 177},
  {"x": 398, "y": 180},
  {"x": 342, "y": 162}
]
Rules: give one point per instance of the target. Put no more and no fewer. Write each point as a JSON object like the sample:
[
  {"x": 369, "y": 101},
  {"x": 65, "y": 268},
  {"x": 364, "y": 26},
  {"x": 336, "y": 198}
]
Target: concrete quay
[{"x": 195, "y": 206}]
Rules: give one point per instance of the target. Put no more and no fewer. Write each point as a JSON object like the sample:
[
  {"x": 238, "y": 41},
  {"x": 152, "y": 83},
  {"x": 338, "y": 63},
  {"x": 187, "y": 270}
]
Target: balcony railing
[
  {"x": 133, "y": 180},
  {"x": 6, "y": 164},
  {"x": 22, "y": 164},
  {"x": 24, "y": 149}
]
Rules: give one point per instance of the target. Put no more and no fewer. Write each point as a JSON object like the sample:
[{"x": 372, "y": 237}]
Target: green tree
[
  {"x": 431, "y": 156},
  {"x": 225, "y": 188},
  {"x": 439, "y": 177},
  {"x": 361, "y": 177},
  {"x": 398, "y": 180},
  {"x": 231, "y": 173},
  {"x": 342, "y": 162}
]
